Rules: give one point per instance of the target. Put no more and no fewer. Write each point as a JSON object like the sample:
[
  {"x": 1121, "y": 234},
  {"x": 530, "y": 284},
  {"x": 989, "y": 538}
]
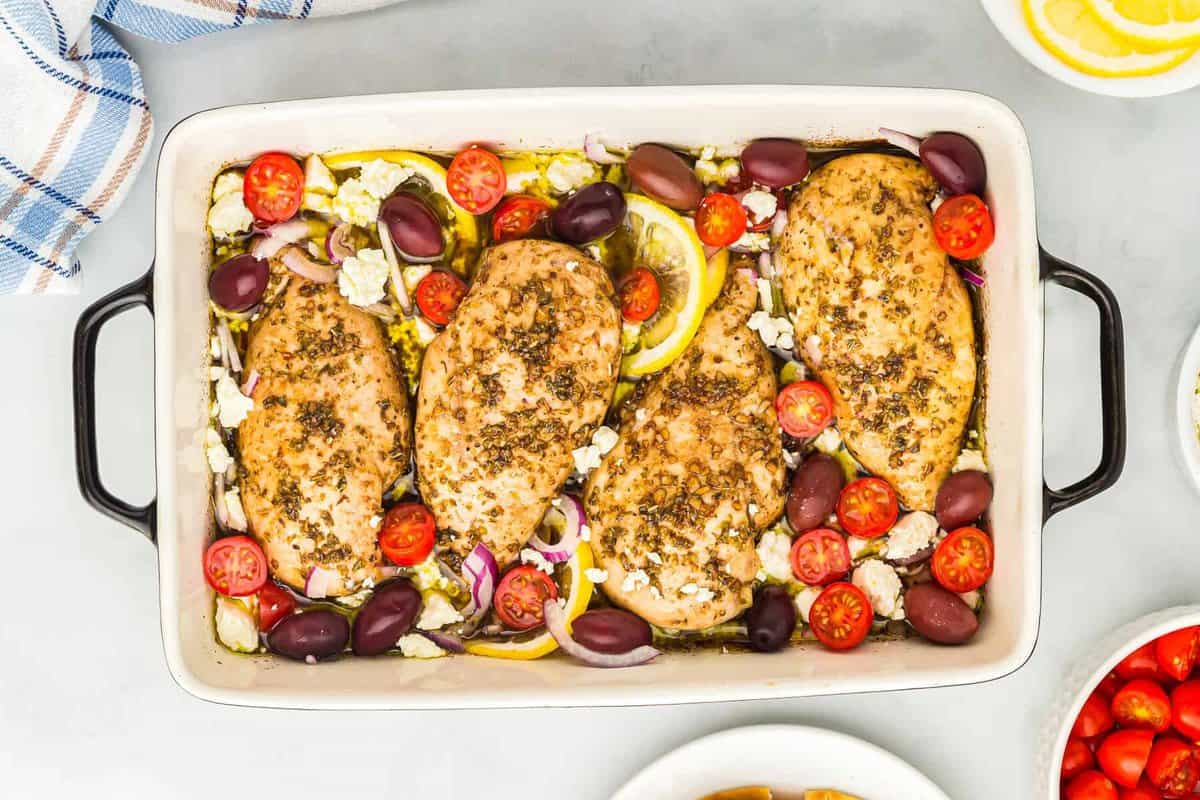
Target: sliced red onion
[
  {"x": 812, "y": 348},
  {"x": 779, "y": 223},
  {"x": 446, "y": 641},
  {"x": 251, "y": 382},
  {"x": 276, "y": 237},
  {"x": 337, "y": 244},
  {"x": 766, "y": 267},
  {"x": 973, "y": 278},
  {"x": 481, "y": 572},
  {"x": 319, "y": 582},
  {"x": 389, "y": 571},
  {"x": 219, "y": 508},
  {"x": 300, "y": 263},
  {"x": 389, "y": 252},
  {"x": 595, "y": 151},
  {"x": 902, "y": 140},
  {"x": 452, "y": 576},
  {"x": 748, "y": 273},
  {"x": 556, "y": 623},
  {"x": 567, "y": 514},
  {"x": 227, "y": 344}
]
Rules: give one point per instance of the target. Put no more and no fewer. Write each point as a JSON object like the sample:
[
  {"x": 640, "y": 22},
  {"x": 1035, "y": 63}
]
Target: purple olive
[
  {"x": 415, "y": 230},
  {"x": 611, "y": 630},
  {"x": 939, "y": 615},
  {"x": 663, "y": 175},
  {"x": 955, "y": 162},
  {"x": 814, "y": 492},
  {"x": 239, "y": 283},
  {"x": 319, "y": 633},
  {"x": 775, "y": 163},
  {"x": 592, "y": 213},
  {"x": 962, "y": 498},
  {"x": 771, "y": 620},
  {"x": 387, "y": 616}
]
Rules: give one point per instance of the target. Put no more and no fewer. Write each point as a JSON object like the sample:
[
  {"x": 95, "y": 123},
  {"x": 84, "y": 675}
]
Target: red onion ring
[
  {"x": 780, "y": 222},
  {"x": 276, "y": 237},
  {"x": 299, "y": 262},
  {"x": 481, "y": 572},
  {"x": 319, "y": 582},
  {"x": 220, "y": 510},
  {"x": 812, "y": 348},
  {"x": 556, "y": 623},
  {"x": 598, "y": 153},
  {"x": 973, "y": 278},
  {"x": 389, "y": 252},
  {"x": 766, "y": 266},
  {"x": 228, "y": 346},
  {"x": 446, "y": 641},
  {"x": 571, "y": 511},
  {"x": 904, "y": 141},
  {"x": 251, "y": 382},
  {"x": 337, "y": 244}
]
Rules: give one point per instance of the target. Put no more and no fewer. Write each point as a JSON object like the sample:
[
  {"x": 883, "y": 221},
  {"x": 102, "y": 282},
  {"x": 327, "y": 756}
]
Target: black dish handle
[
  {"x": 87, "y": 331},
  {"x": 1112, "y": 385}
]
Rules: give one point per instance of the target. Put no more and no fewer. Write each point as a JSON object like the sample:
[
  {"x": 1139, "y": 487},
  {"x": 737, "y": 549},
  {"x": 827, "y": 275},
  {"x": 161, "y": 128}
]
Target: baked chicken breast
[
  {"x": 882, "y": 317},
  {"x": 521, "y": 376},
  {"x": 675, "y": 508}
]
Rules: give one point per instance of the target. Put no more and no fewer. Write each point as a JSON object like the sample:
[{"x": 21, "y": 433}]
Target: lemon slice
[
  {"x": 579, "y": 594},
  {"x": 1075, "y": 35},
  {"x": 465, "y": 244},
  {"x": 718, "y": 266},
  {"x": 1152, "y": 24}
]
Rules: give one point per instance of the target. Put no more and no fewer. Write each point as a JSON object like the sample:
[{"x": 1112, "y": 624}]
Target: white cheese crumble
[
  {"x": 375, "y": 520},
  {"x": 973, "y": 599},
  {"x": 753, "y": 241},
  {"x": 317, "y": 177},
  {"x": 567, "y": 172},
  {"x": 413, "y": 274},
  {"x": 414, "y": 645},
  {"x": 381, "y": 178},
  {"x": 571, "y": 265},
  {"x": 437, "y": 612},
  {"x": 426, "y": 333},
  {"x": 519, "y": 174},
  {"x": 531, "y": 556},
  {"x": 752, "y": 508},
  {"x": 882, "y": 586},
  {"x": 236, "y": 627},
  {"x": 215, "y": 451},
  {"x": 596, "y": 575},
  {"x": 229, "y": 216},
  {"x": 858, "y": 546},
  {"x": 634, "y": 580},
  {"x": 828, "y": 441},
  {"x": 655, "y": 558},
  {"x": 585, "y": 533},
  {"x": 231, "y": 405},
  {"x": 804, "y": 600},
  {"x": 228, "y": 183},
  {"x": 237, "y": 514},
  {"x": 712, "y": 172},
  {"x": 362, "y": 278},
  {"x": 214, "y": 347},
  {"x": 354, "y": 600},
  {"x": 773, "y": 550},
  {"x": 427, "y": 575},
  {"x": 688, "y": 588},
  {"x": 911, "y": 534},
  {"x": 320, "y": 203},
  {"x": 355, "y": 203},
  {"x": 605, "y": 439},
  {"x": 704, "y": 594},
  {"x": 970, "y": 459},
  {"x": 761, "y": 205},
  {"x": 587, "y": 458},
  {"x": 774, "y": 331},
  {"x": 765, "y": 300},
  {"x": 791, "y": 459},
  {"x": 655, "y": 593}
]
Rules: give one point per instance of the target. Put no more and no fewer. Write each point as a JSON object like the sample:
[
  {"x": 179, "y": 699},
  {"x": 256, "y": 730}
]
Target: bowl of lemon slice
[{"x": 1123, "y": 48}]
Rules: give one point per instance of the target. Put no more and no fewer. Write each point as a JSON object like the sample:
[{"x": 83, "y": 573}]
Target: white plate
[
  {"x": 787, "y": 758},
  {"x": 1189, "y": 444}
]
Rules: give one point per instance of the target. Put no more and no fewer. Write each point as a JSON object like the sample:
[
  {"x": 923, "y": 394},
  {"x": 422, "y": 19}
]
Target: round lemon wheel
[
  {"x": 1075, "y": 35},
  {"x": 466, "y": 230},
  {"x": 579, "y": 595},
  {"x": 1151, "y": 24}
]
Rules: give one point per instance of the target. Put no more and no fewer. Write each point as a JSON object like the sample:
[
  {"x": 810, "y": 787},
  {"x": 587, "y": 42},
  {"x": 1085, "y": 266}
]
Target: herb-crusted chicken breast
[
  {"x": 330, "y": 430},
  {"x": 521, "y": 376},
  {"x": 697, "y": 472},
  {"x": 882, "y": 317}
]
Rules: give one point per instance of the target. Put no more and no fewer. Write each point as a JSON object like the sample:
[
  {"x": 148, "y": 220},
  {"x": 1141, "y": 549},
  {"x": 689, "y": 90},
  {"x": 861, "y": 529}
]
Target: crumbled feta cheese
[
  {"x": 567, "y": 172},
  {"x": 858, "y": 546},
  {"x": 688, "y": 588},
  {"x": 752, "y": 508},
  {"x": 381, "y": 178},
  {"x": 712, "y": 172},
  {"x": 317, "y": 177},
  {"x": 882, "y": 586},
  {"x": 231, "y": 406},
  {"x": 214, "y": 347},
  {"x": 585, "y": 533},
  {"x": 426, "y": 333},
  {"x": 765, "y": 301},
  {"x": 355, "y": 599},
  {"x": 773, "y": 550},
  {"x": 375, "y": 520},
  {"x": 774, "y": 331},
  {"x": 571, "y": 265},
  {"x": 761, "y": 205},
  {"x": 596, "y": 575},
  {"x": 437, "y": 612},
  {"x": 236, "y": 626},
  {"x": 414, "y": 645},
  {"x": 912, "y": 534},
  {"x": 412, "y": 275},
  {"x": 791, "y": 459},
  {"x": 973, "y": 599},
  {"x": 531, "y": 556},
  {"x": 708, "y": 153},
  {"x": 229, "y": 216},
  {"x": 519, "y": 173},
  {"x": 605, "y": 439},
  {"x": 428, "y": 575},
  {"x": 655, "y": 558},
  {"x": 362, "y": 278},
  {"x": 630, "y": 334},
  {"x": 633, "y": 580},
  {"x": 587, "y": 458},
  {"x": 970, "y": 459},
  {"x": 828, "y": 441},
  {"x": 355, "y": 203},
  {"x": 704, "y": 594},
  {"x": 233, "y": 505},
  {"x": 320, "y": 203},
  {"x": 753, "y": 241},
  {"x": 804, "y": 600},
  {"x": 215, "y": 451},
  {"x": 640, "y": 414},
  {"x": 228, "y": 183}
]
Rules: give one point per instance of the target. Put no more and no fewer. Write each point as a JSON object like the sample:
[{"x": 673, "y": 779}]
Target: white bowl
[
  {"x": 787, "y": 758},
  {"x": 1010, "y": 21},
  {"x": 1087, "y": 674},
  {"x": 1185, "y": 422}
]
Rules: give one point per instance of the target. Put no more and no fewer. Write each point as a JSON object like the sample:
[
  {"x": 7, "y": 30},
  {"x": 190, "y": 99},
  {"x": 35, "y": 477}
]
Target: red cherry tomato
[
  {"x": 1141, "y": 663},
  {"x": 804, "y": 409},
  {"x": 1123, "y": 754},
  {"x": 1144, "y": 791},
  {"x": 720, "y": 220},
  {"x": 841, "y": 616},
  {"x": 963, "y": 227},
  {"x": 1094, "y": 718},
  {"x": 1077, "y": 757},
  {"x": 1090, "y": 785},
  {"x": 963, "y": 561},
  {"x": 518, "y": 216},
  {"x": 274, "y": 603},
  {"x": 1109, "y": 685},
  {"x": 235, "y": 566},
  {"x": 476, "y": 180},
  {"x": 1176, "y": 652},
  {"x": 1185, "y": 710},
  {"x": 820, "y": 557},
  {"x": 639, "y": 295},
  {"x": 1172, "y": 766},
  {"x": 407, "y": 534},
  {"x": 867, "y": 508},
  {"x": 438, "y": 295},
  {"x": 273, "y": 187},
  {"x": 1142, "y": 704},
  {"x": 520, "y": 596}
]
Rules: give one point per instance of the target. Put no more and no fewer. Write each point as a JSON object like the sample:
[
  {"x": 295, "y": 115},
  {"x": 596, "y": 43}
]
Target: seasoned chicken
[
  {"x": 330, "y": 430},
  {"x": 882, "y": 317},
  {"x": 675, "y": 508},
  {"x": 522, "y": 376}
]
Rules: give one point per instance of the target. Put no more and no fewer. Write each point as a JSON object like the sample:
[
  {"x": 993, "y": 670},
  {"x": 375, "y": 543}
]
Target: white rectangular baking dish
[{"x": 558, "y": 118}]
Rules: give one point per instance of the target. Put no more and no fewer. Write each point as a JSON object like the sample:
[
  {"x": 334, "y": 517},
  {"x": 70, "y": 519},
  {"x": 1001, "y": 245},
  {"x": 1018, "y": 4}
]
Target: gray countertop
[{"x": 86, "y": 704}]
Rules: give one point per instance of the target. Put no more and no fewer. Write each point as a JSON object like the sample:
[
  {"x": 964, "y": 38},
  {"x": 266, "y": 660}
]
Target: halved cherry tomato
[
  {"x": 804, "y": 408},
  {"x": 639, "y": 295},
  {"x": 1144, "y": 791},
  {"x": 273, "y": 187},
  {"x": 1185, "y": 710},
  {"x": 1142, "y": 704},
  {"x": 1090, "y": 785},
  {"x": 407, "y": 534},
  {"x": 720, "y": 220},
  {"x": 1122, "y": 755},
  {"x": 438, "y": 295},
  {"x": 274, "y": 603},
  {"x": 520, "y": 596},
  {"x": 963, "y": 561},
  {"x": 1077, "y": 757},
  {"x": 1172, "y": 766},
  {"x": 820, "y": 557},
  {"x": 1110, "y": 684},
  {"x": 1094, "y": 718},
  {"x": 476, "y": 180},
  {"x": 1141, "y": 663},
  {"x": 963, "y": 227},
  {"x": 1176, "y": 652},
  {"x": 518, "y": 216},
  {"x": 868, "y": 508},
  {"x": 841, "y": 616},
  {"x": 235, "y": 566}
]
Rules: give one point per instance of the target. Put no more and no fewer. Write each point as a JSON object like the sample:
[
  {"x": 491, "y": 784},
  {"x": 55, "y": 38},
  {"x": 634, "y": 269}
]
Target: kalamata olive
[
  {"x": 415, "y": 230},
  {"x": 592, "y": 213},
  {"x": 610, "y": 630},
  {"x": 775, "y": 163},
  {"x": 387, "y": 616},
  {"x": 239, "y": 283},
  {"x": 962, "y": 499},
  {"x": 662, "y": 174},
  {"x": 939, "y": 615},
  {"x": 771, "y": 620},
  {"x": 955, "y": 162},
  {"x": 319, "y": 633},
  {"x": 814, "y": 492}
]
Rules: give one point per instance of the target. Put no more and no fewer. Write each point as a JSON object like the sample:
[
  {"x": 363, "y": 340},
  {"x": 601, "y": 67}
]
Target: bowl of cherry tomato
[{"x": 1129, "y": 721}]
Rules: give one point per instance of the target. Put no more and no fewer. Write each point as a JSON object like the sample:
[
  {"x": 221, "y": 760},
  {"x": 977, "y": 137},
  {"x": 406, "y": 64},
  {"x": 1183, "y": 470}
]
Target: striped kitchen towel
[{"x": 77, "y": 123}]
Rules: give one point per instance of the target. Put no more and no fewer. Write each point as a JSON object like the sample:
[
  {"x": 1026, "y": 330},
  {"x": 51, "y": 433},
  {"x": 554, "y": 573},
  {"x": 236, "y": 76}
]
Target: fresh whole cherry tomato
[
  {"x": 639, "y": 295},
  {"x": 841, "y": 616},
  {"x": 407, "y": 534},
  {"x": 1109, "y": 685},
  {"x": 476, "y": 180},
  {"x": 1077, "y": 757},
  {"x": 274, "y": 603},
  {"x": 963, "y": 227},
  {"x": 1185, "y": 710},
  {"x": 1172, "y": 766},
  {"x": 1141, "y": 663},
  {"x": 1142, "y": 704},
  {"x": 804, "y": 408},
  {"x": 1094, "y": 718},
  {"x": 1090, "y": 785},
  {"x": 820, "y": 556},
  {"x": 1144, "y": 791},
  {"x": 519, "y": 216},
  {"x": 438, "y": 295},
  {"x": 1123, "y": 754},
  {"x": 867, "y": 508},
  {"x": 235, "y": 566},
  {"x": 1176, "y": 652},
  {"x": 964, "y": 560},
  {"x": 520, "y": 596},
  {"x": 273, "y": 187},
  {"x": 720, "y": 220}
]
